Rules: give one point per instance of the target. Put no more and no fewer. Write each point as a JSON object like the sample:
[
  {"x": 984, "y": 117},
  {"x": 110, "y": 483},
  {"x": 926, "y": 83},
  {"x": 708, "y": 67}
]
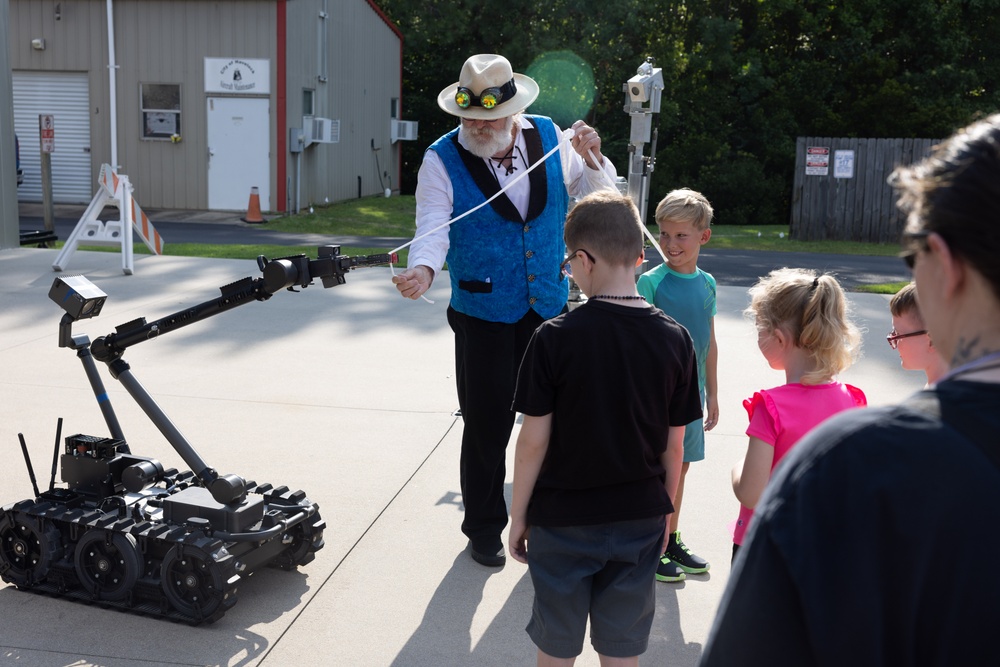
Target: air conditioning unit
[
  {"x": 326, "y": 131},
  {"x": 402, "y": 130},
  {"x": 307, "y": 131}
]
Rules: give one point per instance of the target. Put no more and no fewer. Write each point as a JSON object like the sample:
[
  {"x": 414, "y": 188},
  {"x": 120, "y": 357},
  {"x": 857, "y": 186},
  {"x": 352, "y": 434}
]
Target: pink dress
[{"x": 782, "y": 415}]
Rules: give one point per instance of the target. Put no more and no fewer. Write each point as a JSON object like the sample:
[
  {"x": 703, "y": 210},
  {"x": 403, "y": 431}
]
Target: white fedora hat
[{"x": 488, "y": 89}]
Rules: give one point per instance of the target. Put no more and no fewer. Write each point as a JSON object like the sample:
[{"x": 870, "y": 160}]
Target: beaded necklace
[{"x": 635, "y": 297}]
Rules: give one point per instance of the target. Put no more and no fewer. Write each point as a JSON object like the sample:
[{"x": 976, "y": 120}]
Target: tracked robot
[{"x": 126, "y": 532}]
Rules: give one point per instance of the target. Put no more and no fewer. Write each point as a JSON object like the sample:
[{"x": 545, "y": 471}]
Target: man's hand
[
  {"x": 412, "y": 283},
  {"x": 587, "y": 141}
]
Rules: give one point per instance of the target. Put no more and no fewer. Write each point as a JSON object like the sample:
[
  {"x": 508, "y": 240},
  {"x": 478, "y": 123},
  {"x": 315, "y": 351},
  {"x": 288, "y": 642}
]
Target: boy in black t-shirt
[{"x": 605, "y": 391}]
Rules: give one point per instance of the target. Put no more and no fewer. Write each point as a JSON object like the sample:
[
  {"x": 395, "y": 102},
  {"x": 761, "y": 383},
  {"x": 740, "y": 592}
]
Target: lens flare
[{"x": 566, "y": 86}]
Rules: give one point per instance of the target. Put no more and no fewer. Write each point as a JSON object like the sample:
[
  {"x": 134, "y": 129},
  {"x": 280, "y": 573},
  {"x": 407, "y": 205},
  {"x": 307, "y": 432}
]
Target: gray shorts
[{"x": 606, "y": 572}]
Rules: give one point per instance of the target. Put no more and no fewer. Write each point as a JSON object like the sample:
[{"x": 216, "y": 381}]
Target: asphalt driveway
[{"x": 737, "y": 268}]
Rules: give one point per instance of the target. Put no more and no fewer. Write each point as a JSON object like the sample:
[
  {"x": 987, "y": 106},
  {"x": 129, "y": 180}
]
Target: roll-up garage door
[{"x": 67, "y": 97}]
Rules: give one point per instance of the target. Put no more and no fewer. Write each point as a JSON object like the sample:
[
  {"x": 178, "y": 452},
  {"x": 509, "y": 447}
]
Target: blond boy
[{"x": 687, "y": 294}]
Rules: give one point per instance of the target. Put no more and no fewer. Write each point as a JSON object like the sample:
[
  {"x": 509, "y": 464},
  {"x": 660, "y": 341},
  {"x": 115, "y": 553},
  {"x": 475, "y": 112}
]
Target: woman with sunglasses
[{"x": 875, "y": 543}]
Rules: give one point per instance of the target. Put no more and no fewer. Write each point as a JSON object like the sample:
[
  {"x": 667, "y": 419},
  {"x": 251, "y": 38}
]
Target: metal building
[{"x": 198, "y": 101}]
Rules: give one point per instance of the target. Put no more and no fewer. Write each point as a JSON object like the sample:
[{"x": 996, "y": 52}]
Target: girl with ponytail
[{"x": 802, "y": 329}]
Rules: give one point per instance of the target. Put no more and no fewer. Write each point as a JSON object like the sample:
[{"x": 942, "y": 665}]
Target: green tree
[
  {"x": 762, "y": 73},
  {"x": 439, "y": 36},
  {"x": 742, "y": 79}
]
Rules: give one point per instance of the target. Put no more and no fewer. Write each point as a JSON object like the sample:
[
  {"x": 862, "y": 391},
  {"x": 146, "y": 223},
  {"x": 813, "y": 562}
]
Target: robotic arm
[{"x": 81, "y": 299}]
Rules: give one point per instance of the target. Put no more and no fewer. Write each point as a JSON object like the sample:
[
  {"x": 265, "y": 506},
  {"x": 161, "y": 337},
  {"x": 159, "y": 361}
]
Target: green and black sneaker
[
  {"x": 682, "y": 556},
  {"x": 668, "y": 571}
]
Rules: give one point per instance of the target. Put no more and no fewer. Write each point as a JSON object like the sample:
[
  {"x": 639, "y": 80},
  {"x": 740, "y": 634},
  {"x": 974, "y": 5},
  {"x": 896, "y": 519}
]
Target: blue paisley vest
[{"x": 501, "y": 265}]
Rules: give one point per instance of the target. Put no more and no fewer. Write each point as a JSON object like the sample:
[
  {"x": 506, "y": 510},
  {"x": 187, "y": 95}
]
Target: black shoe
[
  {"x": 683, "y": 557},
  {"x": 488, "y": 551}
]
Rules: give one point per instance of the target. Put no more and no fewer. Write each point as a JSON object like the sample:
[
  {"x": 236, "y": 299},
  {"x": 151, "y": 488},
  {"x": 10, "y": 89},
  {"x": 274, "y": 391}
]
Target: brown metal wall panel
[{"x": 170, "y": 41}]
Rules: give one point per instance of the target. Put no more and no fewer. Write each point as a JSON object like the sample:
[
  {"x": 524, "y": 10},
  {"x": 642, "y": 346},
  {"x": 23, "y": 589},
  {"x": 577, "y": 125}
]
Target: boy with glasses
[
  {"x": 910, "y": 339},
  {"x": 605, "y": 391}
]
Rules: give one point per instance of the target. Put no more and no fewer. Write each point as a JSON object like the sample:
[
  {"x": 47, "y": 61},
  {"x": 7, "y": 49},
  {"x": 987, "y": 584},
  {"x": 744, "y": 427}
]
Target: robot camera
[
  {"x": 642, "y": 87},
  {"x": 79, "y": 297},
  {"x": 638, "y": 90}
]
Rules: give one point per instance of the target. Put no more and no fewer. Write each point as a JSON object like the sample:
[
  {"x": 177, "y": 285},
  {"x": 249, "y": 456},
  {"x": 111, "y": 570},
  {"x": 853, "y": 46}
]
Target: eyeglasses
[
  {"x": 567, "y": 269},
  {"x": 489, "y": 98},
  {"x": 916, "y": 241},
  {"x": 893, "y": 337}
]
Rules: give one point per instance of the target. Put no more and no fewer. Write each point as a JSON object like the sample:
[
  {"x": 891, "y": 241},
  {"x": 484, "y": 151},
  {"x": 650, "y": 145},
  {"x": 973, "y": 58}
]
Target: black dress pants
[{"x": 487, "y": 358}]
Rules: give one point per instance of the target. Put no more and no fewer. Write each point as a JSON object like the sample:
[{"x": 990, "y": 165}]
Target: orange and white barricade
[{"x": 113, "y": 190}]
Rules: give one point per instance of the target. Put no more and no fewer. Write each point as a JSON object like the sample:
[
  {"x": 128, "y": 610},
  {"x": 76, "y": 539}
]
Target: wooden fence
[{"x": 840, "y": 190}]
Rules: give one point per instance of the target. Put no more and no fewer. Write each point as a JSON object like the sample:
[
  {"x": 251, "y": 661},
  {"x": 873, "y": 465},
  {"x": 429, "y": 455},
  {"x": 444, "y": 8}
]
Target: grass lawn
[
  {"x": 881, "y": 288},
  {"x": 370, "y": 216},
  {"x": 775, "y": 238},
  {"x": 378, "y": 216},
  {"x": 394, "y": 217}
]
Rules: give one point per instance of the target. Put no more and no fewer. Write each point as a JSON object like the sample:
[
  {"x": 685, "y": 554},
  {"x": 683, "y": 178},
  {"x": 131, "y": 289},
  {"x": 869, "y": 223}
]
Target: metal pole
[
  {"x": 112, "y": 87},
  {"x": 165, "y": 426},
  {"x": 97, "y": 385},
  {"x": 48, "y": 208}
]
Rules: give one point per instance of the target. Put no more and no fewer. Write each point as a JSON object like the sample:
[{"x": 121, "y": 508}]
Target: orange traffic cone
[{"x": 253, "y": 208}]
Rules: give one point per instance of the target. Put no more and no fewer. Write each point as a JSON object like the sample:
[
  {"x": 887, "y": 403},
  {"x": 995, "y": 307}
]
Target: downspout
[
  {"x": 282, "y": 115},
  {"x": 112, "y": 86},
  {"x": 399, "y": 147}
]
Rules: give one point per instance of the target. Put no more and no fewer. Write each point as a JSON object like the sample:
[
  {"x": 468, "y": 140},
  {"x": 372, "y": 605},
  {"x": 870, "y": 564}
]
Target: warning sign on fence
[
  {"x": 817, "y": 160},
  {"x": 843, "y": 164}
]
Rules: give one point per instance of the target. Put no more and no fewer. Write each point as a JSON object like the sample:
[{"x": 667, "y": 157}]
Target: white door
[
  {"x": 238, "y": 154},
  {"x": 66, "y": 96}
]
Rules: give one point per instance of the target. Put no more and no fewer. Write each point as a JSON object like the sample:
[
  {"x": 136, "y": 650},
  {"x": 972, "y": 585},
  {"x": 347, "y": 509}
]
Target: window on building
[
  {"x": 394, "y": 108},
  {"x": 161, "y": 110},
  {"x": 308, "y": 102}
]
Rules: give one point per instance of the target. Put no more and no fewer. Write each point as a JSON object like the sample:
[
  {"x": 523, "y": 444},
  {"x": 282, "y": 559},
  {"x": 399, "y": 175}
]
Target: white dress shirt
[{"x": 435, "y": 197}]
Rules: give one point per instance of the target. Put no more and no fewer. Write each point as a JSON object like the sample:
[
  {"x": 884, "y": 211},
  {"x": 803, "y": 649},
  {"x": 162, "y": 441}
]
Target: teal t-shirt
[{"x": 689, "y": 298}]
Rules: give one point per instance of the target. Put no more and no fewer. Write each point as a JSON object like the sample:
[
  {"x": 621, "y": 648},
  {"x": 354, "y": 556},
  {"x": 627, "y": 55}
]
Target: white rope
[
  {"x": 642, "y": 223},
  {"x": 567, "y": 135}
]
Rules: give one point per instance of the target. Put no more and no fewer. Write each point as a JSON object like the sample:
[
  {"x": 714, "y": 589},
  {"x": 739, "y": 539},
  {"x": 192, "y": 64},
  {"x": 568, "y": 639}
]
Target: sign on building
[{"x": 240, "y": 76}]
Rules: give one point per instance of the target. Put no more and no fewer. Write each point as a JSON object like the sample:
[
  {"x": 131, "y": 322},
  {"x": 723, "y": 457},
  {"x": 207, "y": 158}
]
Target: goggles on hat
[{"x": 487, "y": 99}]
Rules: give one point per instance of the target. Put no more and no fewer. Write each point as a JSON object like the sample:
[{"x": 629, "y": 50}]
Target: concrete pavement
[{"x": 348, "y": 394}]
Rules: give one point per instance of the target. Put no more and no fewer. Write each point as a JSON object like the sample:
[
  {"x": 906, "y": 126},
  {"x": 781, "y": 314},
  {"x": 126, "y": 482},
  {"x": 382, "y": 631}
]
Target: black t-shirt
[
  {"x": 616, "y": 379},
  {"x": 876, "y": 542}
]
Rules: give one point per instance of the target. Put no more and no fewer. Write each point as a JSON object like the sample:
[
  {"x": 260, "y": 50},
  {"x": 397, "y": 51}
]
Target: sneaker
[
  {"x": 682, "y": 556},
  {"x": 668, "y": 570}
]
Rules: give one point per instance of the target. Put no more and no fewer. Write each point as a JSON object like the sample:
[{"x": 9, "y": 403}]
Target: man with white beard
[{"x": 503, "y": 260}]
